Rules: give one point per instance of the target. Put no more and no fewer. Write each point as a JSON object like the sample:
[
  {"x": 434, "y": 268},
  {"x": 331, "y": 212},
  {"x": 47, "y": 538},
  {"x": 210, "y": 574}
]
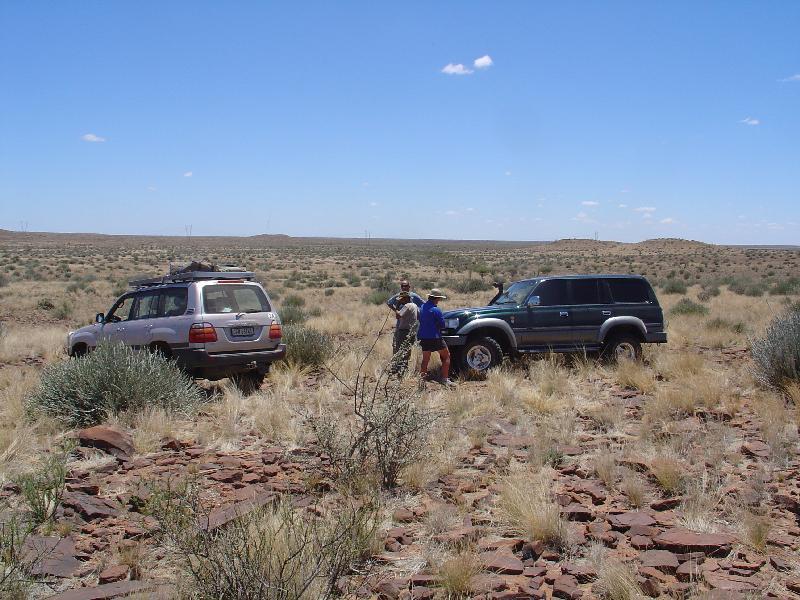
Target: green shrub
[
  {"x": 786, "y": 287},
  {"x": 4, "y": 280},
  {"x": 111, "y": 380},
  {"x": 689, "y": 307},
  {"x": 63, "y": 311},
  {"x": 385, "y": 283},
  {"x": 293, "y": 315},
  {"x": 376, "y": 297},
  {"x": 45, "y": 304},
  {"x": 306, "y": 346},
  {"x": 468, "y": 286},
  {"x": 673, "y": 286},
  {"x": 42, "y": 489},
  {"x": 718, "y": 323},
  {"x": 746, "y": 287},
  {"x": 293, "y": 300},
  {"x": 329, "y": 292},
  {"x": 777, "y": 354}
]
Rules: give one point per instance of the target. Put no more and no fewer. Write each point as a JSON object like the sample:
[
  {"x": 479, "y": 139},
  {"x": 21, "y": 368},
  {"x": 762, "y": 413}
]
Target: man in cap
[
  {"x": 407, "y": 316},
  {"x": 431, "y": 323},
  {"x": 405, "y": 286}
]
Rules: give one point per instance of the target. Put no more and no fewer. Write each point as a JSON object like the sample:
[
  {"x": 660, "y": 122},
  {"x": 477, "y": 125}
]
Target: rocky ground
[{"x": 458, "y": 512}]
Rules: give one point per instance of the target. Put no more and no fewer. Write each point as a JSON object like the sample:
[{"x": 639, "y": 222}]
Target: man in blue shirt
[
  {"x": 405, "y": 286},
  {"x": 429, "y": 334}
]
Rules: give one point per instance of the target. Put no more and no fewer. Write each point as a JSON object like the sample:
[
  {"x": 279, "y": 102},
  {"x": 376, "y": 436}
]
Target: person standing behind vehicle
[
  {"x": 405, "y": 286},
  {"x": 431, "y": 323},
  {"x": 407, "y": 316}
]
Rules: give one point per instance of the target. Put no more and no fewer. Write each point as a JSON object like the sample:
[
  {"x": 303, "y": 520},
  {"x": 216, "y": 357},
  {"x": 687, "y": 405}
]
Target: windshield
[{"x": 517, "y": 293}]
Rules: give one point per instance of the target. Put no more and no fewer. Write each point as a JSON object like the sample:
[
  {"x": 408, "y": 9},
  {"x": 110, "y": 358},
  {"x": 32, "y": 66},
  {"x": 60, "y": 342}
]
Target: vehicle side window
[
  {"x": 552, "y": 292},
  {"x": 629, "y": 291},
  {"x": 146, "y": 305},
  {"x": 121, "y": 311},
  {"x": 584, "y": 291},
  {"x": 173, "y": 302}
]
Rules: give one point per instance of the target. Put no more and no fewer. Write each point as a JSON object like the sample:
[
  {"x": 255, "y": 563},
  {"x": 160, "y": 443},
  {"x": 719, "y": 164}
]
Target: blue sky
[{"x": 633, "y": 120}]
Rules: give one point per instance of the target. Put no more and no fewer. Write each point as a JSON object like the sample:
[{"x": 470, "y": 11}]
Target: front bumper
[
  {"x": 455, "y": 340},
  {"x": 195, "y": 359},
  {"x": 656, "y": 337}
]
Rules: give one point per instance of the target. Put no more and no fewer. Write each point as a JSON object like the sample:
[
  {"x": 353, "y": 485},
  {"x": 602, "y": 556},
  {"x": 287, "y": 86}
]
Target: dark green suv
[{"x": 612, "y": 314}]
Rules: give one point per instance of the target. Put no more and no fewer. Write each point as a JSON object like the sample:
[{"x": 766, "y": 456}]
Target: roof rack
[{"x": 190, "y": 276}]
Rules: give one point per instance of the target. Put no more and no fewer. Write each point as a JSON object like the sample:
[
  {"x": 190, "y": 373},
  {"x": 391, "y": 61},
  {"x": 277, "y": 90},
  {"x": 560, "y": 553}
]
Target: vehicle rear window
[
  {"x": 552, "y": 292},
  {"x": 584, "y": 291},
  {"x": 629, "y": 290},
  {"x": 233, "y": 298},
  {"x": 173, "y": 302}
]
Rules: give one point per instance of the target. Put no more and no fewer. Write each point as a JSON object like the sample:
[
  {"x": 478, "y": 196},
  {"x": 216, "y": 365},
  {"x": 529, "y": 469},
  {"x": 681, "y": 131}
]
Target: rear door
[
  {"x": 241, "y": 314},
  {"x": 590, "y": 300},
  {"x": 634, "y": 297},
  {"x": 550, "y": 323}
]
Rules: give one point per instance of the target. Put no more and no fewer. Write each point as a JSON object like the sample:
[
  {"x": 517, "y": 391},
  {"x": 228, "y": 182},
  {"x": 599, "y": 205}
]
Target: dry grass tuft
[
  {"x": 527, "y": 506},
  {"x": 668, "y": 471},
  {"x": 633, "y": 375},
  {"x": 615, "y": 579},
  {"x": 605, "y": 467},
  {"x": 756, "y": 529},
  {"x": 456, "y": 574},
  {"x": 635, "y": 489}
]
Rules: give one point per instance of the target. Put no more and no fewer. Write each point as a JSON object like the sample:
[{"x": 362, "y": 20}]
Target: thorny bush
[{"x": 275, "y": 552}]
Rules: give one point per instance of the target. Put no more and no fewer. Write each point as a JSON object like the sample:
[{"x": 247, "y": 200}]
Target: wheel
[
  {"x": 249, "y": 382},
  {"x": 80, "y": 350},
  {"x": 479, "y": 355},
  {"x": 623, "y": 346}
]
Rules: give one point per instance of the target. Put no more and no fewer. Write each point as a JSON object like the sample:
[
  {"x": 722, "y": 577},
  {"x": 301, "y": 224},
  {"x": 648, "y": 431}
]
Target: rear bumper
[
  {"x": 656, "y": 337},
  {"x": 201, "y": 363},
  {"x": 455, "y": 340}
]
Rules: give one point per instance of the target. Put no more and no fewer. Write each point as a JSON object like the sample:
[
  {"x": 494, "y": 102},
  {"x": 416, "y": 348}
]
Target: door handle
[
  {"x": 606, "y": 313},
  {"x": 563, "y": 313}
]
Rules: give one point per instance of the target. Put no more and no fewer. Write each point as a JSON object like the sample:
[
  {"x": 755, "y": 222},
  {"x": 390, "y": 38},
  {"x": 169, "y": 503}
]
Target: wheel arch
[
  {"x": 162, "y": 347},
  {"x": 618, "y": 325},
  {"x": 498, "y": 334}
]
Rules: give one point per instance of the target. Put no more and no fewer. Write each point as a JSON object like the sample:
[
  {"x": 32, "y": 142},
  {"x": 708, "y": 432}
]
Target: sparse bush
[
  {"x": 274, "y": 552},
  {"x": 468, "y": 286},
  {"x": 42, "y": 489},
  {"x": 111, "y": 380},
  {"x": 673, "y": 286},
  {"x": 15, "y": 561},
  {"x": 746, "y": 287},
  {"x": 786, "y": 287},
  {"x": 4, "y": 280},
  {"x": 388, "y": 431},
  {"x": 718, "y": 323},
  {"x": 376, "y": 297},
  {"x": 777, "y": 354},
  {"x": 329, "y": 292},
  {"x": 292, "y": 315},
  {"x": 306, "y": 346},
  {"x": 688, "y": 307},
  {"x": 63, "y": 311},
  {"x": 45, "y": 304},
  {"x": 293, "y": 300}
]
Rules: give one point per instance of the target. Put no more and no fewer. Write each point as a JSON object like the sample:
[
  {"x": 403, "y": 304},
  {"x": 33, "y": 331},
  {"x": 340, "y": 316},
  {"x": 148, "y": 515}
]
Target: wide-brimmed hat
[{"x": 437, "y": 293}]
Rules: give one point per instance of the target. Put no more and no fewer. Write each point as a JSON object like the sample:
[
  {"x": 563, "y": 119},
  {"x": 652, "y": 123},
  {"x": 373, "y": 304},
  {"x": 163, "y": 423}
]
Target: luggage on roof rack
[{"x": 189, "y": 276}]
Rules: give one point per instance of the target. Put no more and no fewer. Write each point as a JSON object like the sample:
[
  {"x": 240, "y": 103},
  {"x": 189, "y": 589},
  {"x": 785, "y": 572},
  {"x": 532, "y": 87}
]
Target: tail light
[
  {"x": 200, "y": 333},
  {"x": 275, "y": 332}
]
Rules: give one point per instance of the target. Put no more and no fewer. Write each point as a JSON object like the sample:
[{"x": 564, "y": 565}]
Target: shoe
[{"x": 448, "y": 383}]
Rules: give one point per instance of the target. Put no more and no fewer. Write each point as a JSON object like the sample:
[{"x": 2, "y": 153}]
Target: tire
[
  {"x": 249, "y": 382},
  {"x": 479, "y": 355},
  {"x": 79, "y": 350},
  {"x": 622, "y": 346}
]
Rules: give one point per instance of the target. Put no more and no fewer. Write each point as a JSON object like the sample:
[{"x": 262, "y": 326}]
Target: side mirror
[
  {"x": 534, "y": 301},
  {"x": 99, "y": 318}
]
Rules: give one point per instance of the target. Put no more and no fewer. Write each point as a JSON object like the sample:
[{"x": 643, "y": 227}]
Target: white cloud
[
  {"x": 484, "y": 62},
  {"x": 624, "y": 191},
  {"x": 373, "y": 204},
  {"x": 582, "y": 217},
  {"x": 795, "y": 77},
  {"x": 589, "y": 203},
  {"x": 508, "y": 173},
  {"x": 622, "y": 206},
  {"x": 151, "y": 188},
  {"x": 365, "y": 184},
  {"x": 470, "y": 209},
  {"x": 456, "y": 69},
  {"x": 188, "y": 174},
  {"x": 451, "y": 213},
  {"x": 90, "y": 137},
  {"x": 750, "y": 121},
  {"x": 645, "y": 209},
  {"x": 667, "y": 221}
]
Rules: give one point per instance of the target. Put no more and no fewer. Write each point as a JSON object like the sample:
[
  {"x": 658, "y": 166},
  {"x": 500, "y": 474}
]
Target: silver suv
[{"x": 214, "y": 324}]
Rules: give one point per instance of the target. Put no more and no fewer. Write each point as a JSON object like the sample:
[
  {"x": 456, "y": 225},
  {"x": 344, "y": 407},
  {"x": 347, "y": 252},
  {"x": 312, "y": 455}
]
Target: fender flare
[
  {"x": 81, "y": 338},
  {"x": 491, "y": 322},
  {"x": 626, "y": 321}
]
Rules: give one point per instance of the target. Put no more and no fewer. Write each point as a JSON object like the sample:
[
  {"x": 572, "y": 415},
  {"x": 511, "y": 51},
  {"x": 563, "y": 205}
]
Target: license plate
[{"x": 242, "y": 331}]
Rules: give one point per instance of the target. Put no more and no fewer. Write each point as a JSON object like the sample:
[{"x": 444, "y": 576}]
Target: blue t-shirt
[
  {"x": 431, "y": 322},
  {"x": 393, "y": 302}
]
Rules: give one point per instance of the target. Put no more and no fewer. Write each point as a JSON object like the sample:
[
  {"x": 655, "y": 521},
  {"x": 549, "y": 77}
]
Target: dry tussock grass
[
  {"x": 21, "y": 343},
  {"x": 527, "y": 506},
  {"x": 615, "y": 579},
  {"x": 457, "y": 572},
  {"x": 634, "y": 375},
  {"x": 668, "y": 471}
]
